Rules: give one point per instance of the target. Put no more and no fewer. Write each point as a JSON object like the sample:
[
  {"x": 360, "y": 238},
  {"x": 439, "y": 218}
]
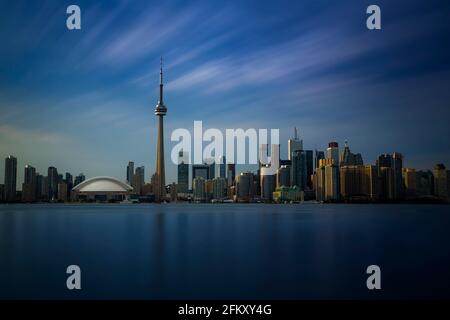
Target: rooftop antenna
[{"x": 295, "y": 133}]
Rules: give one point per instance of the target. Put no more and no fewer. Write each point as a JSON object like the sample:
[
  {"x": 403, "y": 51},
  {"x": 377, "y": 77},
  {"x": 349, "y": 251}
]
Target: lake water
[{"x": 248, "y": 251}]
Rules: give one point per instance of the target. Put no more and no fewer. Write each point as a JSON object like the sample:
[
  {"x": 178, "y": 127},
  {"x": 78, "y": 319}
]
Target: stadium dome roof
[{"x": 102, "y": 184}]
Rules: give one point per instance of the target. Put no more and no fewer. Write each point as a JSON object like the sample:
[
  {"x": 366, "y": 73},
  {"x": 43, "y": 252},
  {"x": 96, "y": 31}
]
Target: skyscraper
[
  {"x": 244, "y": 186},
  {"x": 160, "y": 111},
  {"x": 294, "y": 144},
  {"x": 222, "y": 168},
  {"x": 333, "y": 152},
  {"x": 298, "y": 169},
  {"x": 53, "y": 178},
  {"x": 309, "y": 168},
  {"x": 29, "y": 184},
  {"x": 441, "y": 179},
  {"x": 183, "y": 172},
  {"x": 269, "y": 170},
  {"x": 319, "y": 155},
  {"x": 231, "y": 173},
  {"x": 10, "y": 178},
  {"x": 130, "y": 172},
  {"x": 79, "y": 179},
  {"x": 350, "y": 159}
]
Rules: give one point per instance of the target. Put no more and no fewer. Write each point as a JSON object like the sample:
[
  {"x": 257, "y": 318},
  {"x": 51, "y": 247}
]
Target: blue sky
[{"x": 83, "y": 101}]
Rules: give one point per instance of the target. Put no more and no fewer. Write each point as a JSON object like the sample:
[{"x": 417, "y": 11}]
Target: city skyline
[{"x": 83, "y": 102}]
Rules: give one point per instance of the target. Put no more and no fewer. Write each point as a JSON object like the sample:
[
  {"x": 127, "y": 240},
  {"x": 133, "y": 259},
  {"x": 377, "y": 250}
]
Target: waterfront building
[
  {"x": 410, "y": 182},
  {"x": 294, "y": 144},
  {"x": 101, "y": 189},
  {"x": 284, "y": 176},
  {"x": 359, "y": 182},
  {"x": 2, "y": 192},
  {"x": 327, "y": 180},
  {"x": 198, "y": 189},
  {"x": 244, "y": 187},
  {"x": 62, "y": 192},
  {"x": 10, "y": 178},
  {"x": 160, "y": 111},
  {"x": 386, "y": 180},
  {"x": 284, "y": 193},
  {"x": 441, "y": 182},
  {"x": 424, "y": 183},
  {"x": 219, "y": 188}
]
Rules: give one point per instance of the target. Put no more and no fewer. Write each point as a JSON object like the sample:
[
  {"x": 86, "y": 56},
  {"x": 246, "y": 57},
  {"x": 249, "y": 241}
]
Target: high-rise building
[
  {"x": 424, "y": 183},
  {"x": 200, "y": 170},
  {"x": 79, "y": 179},
  {"x": 198, "y": 189},
  {"x": 130, "y": 172},
  {"x": 397, "y": 166},
  {"x": 219, "y": 188},
  {"x": 138, "y": 180},
  {"x": 62, "y": 192},
  {"x": 359, "y": 182},
  {"x": 284, "y": 176},
  {"x": 350, "y": 159},
  {"x": 29, "y": 184},
  {"x": 395, "y": 162},
  {"x": 231, "y": 173},
  {"x": 69, "y": 182},
  {"x": 211, "y": 168},
  {"x": 268, "y": 170},
  {"x": 441, "y": 182},
  {"x": 183, "y": 172},
  {"x": 386, "y": 180},
  {"x": 294, "y": 144},
  {"x": 53, "y": 179},
  {"x": 10, "y": 178},
  {"x": 140, "y": 171},
  {"x": 299, "y": 170},
  {"x": 2, "y": 192},
  {"x": 222, "y": 167},
  {"x": 309, "y": 168},
  {"x": 333, "y": 152},
  {"x": 327, "y": 181},
  {"x": 410, "y": 182},
  {"x": 41, "y": 187},
  {"x": 244, "y": 187},
  {"x": 160, "y": 112},
  {"x": 319, "y": 155}
]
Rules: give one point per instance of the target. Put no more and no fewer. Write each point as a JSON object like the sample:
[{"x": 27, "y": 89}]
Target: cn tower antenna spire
[{"x": 161, "y": 81}]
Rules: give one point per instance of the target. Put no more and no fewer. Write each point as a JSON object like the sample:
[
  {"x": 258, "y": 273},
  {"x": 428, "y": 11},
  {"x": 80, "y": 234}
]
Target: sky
[{"x": 83, "y": 100}]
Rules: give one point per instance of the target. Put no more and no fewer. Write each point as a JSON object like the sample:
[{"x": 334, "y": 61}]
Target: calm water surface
[{"x": 189, "y": 251}]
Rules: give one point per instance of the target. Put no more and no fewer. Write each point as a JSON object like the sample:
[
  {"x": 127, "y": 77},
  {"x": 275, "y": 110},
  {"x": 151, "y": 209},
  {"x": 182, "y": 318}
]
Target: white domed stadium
[{"x": 102, "y": 189}]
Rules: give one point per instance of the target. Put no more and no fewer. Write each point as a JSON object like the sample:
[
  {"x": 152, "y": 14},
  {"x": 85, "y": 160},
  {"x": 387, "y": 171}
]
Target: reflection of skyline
[{"x": 315, "y": 61}]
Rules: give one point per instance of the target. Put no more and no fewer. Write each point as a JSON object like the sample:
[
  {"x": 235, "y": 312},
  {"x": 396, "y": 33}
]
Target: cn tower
[{"x": 160, "y": 112}]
